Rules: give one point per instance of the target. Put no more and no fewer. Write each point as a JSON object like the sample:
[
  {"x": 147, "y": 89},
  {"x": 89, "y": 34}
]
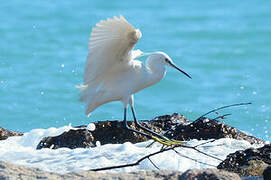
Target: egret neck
[{"x": 156, "y": 71}]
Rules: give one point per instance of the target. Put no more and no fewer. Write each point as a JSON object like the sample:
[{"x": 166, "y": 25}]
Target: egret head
[{"x": 164, "y": 59}]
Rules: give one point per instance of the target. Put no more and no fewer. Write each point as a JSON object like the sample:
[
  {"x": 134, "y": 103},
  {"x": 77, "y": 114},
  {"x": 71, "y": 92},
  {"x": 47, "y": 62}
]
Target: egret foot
[{"x": 167, "y": 142}]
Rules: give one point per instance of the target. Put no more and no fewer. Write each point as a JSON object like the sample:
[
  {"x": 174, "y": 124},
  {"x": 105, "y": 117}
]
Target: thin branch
[
  {"x": 153, "y": 163},
  {"x": 212, "y": 146},
  {"x": 204, "y": 143},
  {"x": 223, "y": 107},
  {"x": 216, "y": 109},
  {"x": 192, "y": 158},
  {"x": 132, "y": 164},
  {"x": 222, "y": 117},
  {"x": 161, "y": 151},
  {"x": 211, "y": 156},
  {"x": 172, "y": 148},
  {"x": 195, "y": 148}
]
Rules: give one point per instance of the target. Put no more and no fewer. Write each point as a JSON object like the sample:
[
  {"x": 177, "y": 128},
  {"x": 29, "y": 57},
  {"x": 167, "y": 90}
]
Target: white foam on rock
[
  {"x": 91, "y": 127},
  {"x": 22, "y": 150}
]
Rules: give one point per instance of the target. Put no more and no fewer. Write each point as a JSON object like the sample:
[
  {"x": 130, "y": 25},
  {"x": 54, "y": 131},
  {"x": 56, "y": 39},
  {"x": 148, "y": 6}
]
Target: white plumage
[
  {"x": 112, "y": 72},
  {"x": 110, "y": 51}
]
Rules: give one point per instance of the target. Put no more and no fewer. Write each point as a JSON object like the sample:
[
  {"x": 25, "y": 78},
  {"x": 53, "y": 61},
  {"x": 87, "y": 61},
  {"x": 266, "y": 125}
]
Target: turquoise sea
[{"x": 225, "y": 45}]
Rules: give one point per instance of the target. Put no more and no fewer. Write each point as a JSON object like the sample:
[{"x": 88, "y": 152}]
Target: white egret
[{"x": 112, "y": 72}]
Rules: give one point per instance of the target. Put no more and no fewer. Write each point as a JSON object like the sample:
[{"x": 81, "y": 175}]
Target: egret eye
[{"x": 167, "y": 60}]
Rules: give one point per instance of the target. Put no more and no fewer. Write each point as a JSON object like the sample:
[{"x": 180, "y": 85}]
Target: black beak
[{"x": 176, "y": 67}]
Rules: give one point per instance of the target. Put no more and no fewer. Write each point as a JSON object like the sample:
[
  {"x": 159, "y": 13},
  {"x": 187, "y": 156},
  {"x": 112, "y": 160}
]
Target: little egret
[{"x": 112, "y": 72}]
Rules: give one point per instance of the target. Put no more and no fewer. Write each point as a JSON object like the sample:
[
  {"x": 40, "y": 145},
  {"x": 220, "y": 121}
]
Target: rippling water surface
[{"x": 224, "y": 45}]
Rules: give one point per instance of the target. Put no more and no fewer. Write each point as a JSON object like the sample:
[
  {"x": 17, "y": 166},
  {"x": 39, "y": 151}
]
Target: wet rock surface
[
  {"x": 267, "y": 173},
  {"x": 250, "y": 162},
  {"x": 4, "y": 134},
  {"x": 169, "y": 121},
  {"x": 204, "y": 129},
  {"x": 209, "y": 174},
  {"x": 108, "y": 132},
  {"x": 71, "y": 139},
  {"x": 174, "y": 126},
  {"x": 113, "y": 132},
  {"x": 10, "y": 171}
]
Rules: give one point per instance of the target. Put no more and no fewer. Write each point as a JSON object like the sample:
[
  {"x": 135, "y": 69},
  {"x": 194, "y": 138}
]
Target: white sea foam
[
  {"x": 22, "y": 150},
  {"x": 91, "y": 126}
]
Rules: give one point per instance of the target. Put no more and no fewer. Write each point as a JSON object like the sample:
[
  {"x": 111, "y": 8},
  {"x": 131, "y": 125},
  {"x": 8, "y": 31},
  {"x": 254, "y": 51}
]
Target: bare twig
[
  {"x": 161, "y": 151},
  {"x": 192, "y": 158},
  {"x": 211, "y": 156},
  {"x": 132, "y": 164},
  {"x": 173, "y": 148},
  {"x": 222, "y": 117},
  {"x": 223, "y": 107},
  {"x": 215, "y": 145},
  {"x": 153, "y": 163},
  {"x": 201, "y": 144},
  {"x": 195, "y": 148}
]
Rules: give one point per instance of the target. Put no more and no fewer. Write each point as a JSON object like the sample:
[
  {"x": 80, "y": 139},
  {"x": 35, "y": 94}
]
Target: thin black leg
[
  {"x": 133, "y": 130},
  {"x": 146, "y": 129}
]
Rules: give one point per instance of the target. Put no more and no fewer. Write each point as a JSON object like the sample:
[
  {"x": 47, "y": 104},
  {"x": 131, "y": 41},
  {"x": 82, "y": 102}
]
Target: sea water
[{"x": 224, "y": 45}]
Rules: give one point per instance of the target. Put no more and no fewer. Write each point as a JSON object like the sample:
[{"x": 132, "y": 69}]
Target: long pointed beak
[{"x": 176, "y": 67}]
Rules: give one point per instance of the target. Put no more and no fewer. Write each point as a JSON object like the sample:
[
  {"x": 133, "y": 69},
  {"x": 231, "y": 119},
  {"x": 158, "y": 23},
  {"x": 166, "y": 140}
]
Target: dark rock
[
  {"x": 267, "y": 173},
  {"x": 4, "y": 134},
  {"x": 250, "y": 162},
  {"x": 109, "y": 132},
  {"x": 209, "y": 174},
  {"x": 167, "y": 122},
  {"x": 204, "y": 129},
  {"x": 71, "y": 139},
  {"x": 174, "y": 126},
  {"x": 10, "y": 171},
  {"x": 113, "y": 132},
  {"x": 253, "y": 168}
]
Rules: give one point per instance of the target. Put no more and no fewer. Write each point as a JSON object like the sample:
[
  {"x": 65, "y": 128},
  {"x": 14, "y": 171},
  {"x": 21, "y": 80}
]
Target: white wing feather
[
  {"x": 136, "y": 53},
  {"x": 110, "y": 45},
  {"x": 110, "y": 42}
]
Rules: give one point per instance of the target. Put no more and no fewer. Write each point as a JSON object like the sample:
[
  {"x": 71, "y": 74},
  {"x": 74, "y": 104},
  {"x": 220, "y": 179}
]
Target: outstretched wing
[{"x": 110, "y": 44}]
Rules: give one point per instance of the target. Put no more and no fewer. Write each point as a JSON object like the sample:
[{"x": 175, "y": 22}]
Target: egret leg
[
  {"x": 146, "y": 129},
  {"x": 131, "y": 129},
  {"x": 156, "y": 137}
]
